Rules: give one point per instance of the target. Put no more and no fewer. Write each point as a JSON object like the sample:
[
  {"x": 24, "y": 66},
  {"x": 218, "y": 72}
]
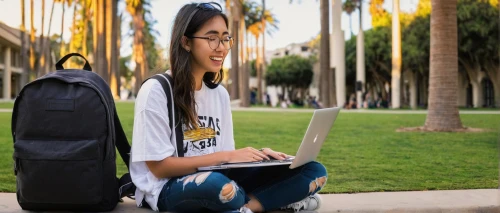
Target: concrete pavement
[{"x": 449, "y": 201}]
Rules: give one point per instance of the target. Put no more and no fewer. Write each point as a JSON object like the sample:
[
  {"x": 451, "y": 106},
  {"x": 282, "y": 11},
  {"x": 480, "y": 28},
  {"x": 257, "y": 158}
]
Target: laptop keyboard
[{"x": 276, "y": 161}]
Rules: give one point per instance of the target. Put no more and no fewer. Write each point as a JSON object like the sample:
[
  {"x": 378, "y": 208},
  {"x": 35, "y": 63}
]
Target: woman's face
[{"x": 204, "y": 57}]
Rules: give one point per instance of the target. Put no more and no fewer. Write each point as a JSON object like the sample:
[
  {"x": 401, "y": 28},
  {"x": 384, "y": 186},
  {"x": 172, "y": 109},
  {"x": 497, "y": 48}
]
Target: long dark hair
[{"x": 180, "y": 62}]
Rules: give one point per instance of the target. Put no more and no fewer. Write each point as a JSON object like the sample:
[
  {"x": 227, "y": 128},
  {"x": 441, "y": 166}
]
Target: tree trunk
[
  {"x": 117, "y": 37},
  {"x": 325, "y": 54},
  {"x": 138, "y": 46},
  {"x": 331, "y": 87},
  {"x": 62, "y": 49},
  {"x": 100, "y": 62},
  {"x": 32, "y": 42},
  {"x": 41, "y": 63},
  {"x": 258, "y": 70},
  {"x": 72, "y": 45},
  {"x": 263, "y": 55},
  {"x": 412, "y": 78},
  {"x": 42, "y": 70},
  {"x": 233, "y": 73},
  {"x": 24, "y": 59},
  {"x": 396, "y": 56},
  {"x": 360, "y": 61},
  {"x": 86, "y": 16},
  {"x": 443, "y": 110},
  {"x": 244, "y": 90},
  {"x": 111, "y": 50}
]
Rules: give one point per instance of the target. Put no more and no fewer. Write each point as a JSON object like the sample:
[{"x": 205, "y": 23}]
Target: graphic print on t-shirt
[{"x": 203, "y": 140}]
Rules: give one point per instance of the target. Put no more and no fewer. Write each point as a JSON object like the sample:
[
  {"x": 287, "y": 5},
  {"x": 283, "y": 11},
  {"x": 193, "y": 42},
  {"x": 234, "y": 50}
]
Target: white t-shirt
[{"x": 152, "y": 138}]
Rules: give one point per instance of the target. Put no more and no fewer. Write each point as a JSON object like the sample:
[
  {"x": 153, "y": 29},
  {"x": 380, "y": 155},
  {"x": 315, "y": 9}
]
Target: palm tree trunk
[
  {"x": 41, "y": 64},
  {"x": 73, "y": 33},
  {"x": 100, "y": 62},
  {"x": 234, "y": 72},
  {"x": 258, "y": 69},
  {"x": 111, "y": 51},
  {"x": 46, "y": 52},
  {"x": 24, "y": 61},
  {"x": 138, "y": 46},
  {"x": 62, "y": 50},
  {"x": 325, "y": 54},
  {"x": 32, "y": 42},
  {"x": 86, "y": 16},
  {"x": 243, "y": 83},
  {"x": 360, "y": 59},
  {"x": 443, "y": 77},
  {"x": 263, "y": 56},
  {"x": 396, "y": 56}
]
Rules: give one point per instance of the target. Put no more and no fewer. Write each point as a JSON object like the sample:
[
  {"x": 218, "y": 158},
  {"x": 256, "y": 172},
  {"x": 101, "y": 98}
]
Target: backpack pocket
[{"x": 58, "y": 172}]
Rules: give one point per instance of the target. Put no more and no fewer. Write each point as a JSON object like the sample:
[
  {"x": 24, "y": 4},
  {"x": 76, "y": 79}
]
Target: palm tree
[
  {"x": 324, "y": 54},
  {"x": 349, "y": 7},
  {"x": 257, "y": 28},
  {"x": 32, "y": 42},
  {"x": 245, "y": 8},
  {"x": 62, "y": 51},
  {"x": 136, "y": 10},
  {"x": 443, "y": 77},
  {"x": 44, "y": 51},
  {"x": 24, "y": 60},
  {"x": 111, "y": 46},
  {"x": 99, "y": 38},
  {"x": 41, "y": 63},
  {"x": 74, "y": 29},
  {"x": 234, "y": 19},
  {"x": 396, "y": 56}
]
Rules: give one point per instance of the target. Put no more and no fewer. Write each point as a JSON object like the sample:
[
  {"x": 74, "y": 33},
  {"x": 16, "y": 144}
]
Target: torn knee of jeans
[
  {"x": 317, "y": 184},
  {"x": 228, "y": 192}
]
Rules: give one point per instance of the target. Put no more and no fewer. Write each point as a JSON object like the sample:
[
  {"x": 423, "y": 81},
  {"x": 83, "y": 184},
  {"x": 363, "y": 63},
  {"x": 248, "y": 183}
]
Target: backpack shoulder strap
[
  {"x": 121, "y": 140},
  {"x": 167, "y": 83}
]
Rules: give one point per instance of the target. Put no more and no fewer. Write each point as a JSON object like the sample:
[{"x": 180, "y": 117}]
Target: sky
[{"x": 298, "y": 22}]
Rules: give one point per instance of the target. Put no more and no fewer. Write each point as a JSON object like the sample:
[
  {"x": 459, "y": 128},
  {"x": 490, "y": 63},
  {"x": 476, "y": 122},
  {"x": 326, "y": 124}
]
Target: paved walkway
[{"x": 451, "y": 201}]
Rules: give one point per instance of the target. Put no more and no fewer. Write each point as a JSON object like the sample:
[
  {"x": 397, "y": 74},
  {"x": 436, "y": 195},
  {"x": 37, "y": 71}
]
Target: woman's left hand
[{"x": 274, "y": 154}]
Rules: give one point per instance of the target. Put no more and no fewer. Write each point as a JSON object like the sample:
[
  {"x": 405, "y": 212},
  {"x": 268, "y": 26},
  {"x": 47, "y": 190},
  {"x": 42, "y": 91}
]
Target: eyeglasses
[
  {"x": 202, "y": 6},
  {"x": 214, "y": 41}
]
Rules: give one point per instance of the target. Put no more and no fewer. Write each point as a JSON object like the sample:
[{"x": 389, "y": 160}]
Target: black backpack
[{"x": 65, "y": 129}]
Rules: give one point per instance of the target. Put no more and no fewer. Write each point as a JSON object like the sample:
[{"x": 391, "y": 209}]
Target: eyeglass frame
[{"x": 218, "y": 43}]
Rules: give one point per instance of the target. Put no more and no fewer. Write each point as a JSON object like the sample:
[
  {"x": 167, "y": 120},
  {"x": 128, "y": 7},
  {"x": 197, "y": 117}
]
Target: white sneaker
[
  {"x": 311, "y": 203},
  {"x": 245, "y": 210}
]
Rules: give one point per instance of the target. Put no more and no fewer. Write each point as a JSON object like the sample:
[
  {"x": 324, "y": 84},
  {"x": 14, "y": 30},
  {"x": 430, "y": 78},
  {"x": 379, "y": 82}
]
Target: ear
[{"x": 186, "y": 43}]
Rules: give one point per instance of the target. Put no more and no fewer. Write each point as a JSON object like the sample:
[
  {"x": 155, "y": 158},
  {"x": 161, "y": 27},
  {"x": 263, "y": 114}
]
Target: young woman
[{"x": 165, "y": 182}]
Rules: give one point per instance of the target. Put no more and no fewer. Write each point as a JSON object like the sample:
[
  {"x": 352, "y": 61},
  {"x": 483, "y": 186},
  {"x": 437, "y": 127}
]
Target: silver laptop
[{"x": 319, "y": 127}]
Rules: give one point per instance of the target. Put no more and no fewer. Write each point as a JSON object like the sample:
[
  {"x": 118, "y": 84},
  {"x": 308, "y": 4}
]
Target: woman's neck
[{"x": 198, "y": 79}]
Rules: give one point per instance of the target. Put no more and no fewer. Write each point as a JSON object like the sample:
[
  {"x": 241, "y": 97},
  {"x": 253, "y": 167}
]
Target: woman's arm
[{"x": 180, "y": 166}]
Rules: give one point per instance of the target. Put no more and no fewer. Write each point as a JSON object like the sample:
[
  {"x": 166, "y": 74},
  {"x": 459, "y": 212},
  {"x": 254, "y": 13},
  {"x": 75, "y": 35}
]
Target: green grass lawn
[
  {"x": 363, "y": 152},
  {"x": 6, "y": 105}
]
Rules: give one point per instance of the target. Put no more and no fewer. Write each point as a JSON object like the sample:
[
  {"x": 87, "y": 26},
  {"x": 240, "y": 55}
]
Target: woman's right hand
[{"x": 248, "y": 154}]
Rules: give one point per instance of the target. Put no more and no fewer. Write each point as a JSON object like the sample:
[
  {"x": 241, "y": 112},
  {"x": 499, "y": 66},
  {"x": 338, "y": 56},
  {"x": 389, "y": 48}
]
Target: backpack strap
[
  {"x": 126, "y": 186},
  {"x": 168, "y": 84}
]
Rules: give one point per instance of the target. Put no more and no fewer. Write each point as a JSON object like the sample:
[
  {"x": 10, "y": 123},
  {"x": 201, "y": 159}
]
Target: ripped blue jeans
[{"x": 225, "y": 190}]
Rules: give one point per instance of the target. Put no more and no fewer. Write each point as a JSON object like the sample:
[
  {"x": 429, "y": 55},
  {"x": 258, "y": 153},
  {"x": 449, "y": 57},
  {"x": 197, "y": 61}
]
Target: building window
[
  {"x": 489, "y": 96},
  {"x": 304, "y": 48}
]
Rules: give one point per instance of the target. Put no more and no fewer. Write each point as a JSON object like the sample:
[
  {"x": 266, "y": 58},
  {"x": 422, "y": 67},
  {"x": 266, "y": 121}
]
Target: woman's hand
[
  {"x": 274, "y": 154},
  {"x": 248, "y": 154}
]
